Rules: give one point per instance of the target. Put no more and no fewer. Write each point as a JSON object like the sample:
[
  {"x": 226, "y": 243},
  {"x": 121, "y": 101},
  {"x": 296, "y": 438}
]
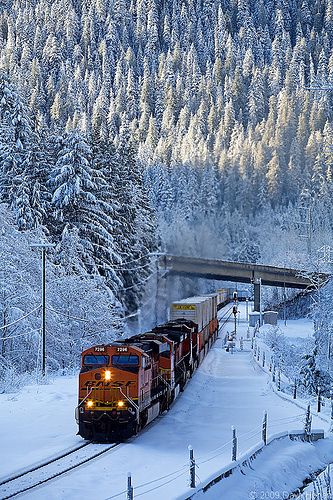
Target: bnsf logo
[{"x": 110, "y": 385}]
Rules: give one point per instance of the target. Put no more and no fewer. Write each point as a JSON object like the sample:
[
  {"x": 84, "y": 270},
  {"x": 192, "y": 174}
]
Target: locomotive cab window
[
  {"x": 96, "y": 360},
  {"x": 126, "y": 362},
  {"x": 127, "y": 359},
  {"x": 166, "y": 352},
  {"x": 93, "y": 361}
]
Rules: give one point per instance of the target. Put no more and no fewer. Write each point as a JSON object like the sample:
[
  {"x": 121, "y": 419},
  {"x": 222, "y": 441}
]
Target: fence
[
  {"x": 264, "y": 357},
  {"x": 247, "y": 459},
  {"x": 188, "y": 470}
]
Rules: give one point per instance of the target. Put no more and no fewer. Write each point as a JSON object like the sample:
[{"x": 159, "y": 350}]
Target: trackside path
[{"x": 227, "y": 389}]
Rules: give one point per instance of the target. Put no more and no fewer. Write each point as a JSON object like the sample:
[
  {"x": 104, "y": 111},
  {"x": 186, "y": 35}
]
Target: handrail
[{"x": 132, "y": 403}]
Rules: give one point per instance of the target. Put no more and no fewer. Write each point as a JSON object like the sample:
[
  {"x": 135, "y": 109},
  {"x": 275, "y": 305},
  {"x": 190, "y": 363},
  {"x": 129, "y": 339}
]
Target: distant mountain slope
[{"x": 209, "y": 83}]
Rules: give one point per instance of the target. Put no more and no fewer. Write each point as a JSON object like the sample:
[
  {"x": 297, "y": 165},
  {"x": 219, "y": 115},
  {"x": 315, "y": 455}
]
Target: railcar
[
  {"x": 126, "y": 384},
  {"x": 226, "y": 295},
  {"x": 243, "y": 295}
]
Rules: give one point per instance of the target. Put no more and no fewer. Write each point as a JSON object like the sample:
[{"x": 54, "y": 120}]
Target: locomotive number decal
[
  {"x": 99, "y": 349},
  {"x": 122, "y": 349},
  {"x": 184, "y": 307}
]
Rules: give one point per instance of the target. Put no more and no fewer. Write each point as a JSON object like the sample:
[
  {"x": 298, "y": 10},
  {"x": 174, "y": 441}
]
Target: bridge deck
[{"x": 242, "y": 272}]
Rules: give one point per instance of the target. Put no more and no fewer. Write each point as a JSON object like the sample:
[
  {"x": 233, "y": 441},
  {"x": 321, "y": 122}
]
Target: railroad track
[
  {"x": 223, "y": 320},
  {"x": 51, "y": 469}
]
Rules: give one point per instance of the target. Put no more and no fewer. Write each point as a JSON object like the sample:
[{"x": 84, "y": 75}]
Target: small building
[
  {"x": 254, "y": 318},
  {"x": 270, "y": 318}
]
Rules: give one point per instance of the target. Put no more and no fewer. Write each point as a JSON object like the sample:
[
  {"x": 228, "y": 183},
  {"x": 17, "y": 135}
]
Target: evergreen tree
[
  {"x": 75, "y": 186},
  {"x": 135, "y": 235}
]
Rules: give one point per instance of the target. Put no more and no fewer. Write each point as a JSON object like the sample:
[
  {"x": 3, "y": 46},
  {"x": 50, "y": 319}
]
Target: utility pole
[
  {"x": 305, "y": 224},
  {"x": 43, "y": 247},
  {"x": 326, "y": 258}
]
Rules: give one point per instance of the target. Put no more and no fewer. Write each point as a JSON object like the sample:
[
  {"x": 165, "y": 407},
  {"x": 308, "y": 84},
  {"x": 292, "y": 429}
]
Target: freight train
[
  {"x": 224, "y": 295},
  {"x": 126, "y": 384}
]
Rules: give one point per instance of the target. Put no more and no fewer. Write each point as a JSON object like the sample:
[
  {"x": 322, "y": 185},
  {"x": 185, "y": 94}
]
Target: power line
[
  {"x": 67, "y": 315},
  {"x": 18, "y": 335},
  {"x": 149, "y": 254},
  {"x": 144, "y": 281},
  {"x": 133, "y": 268},
  {"x": 20, "y": 319}
]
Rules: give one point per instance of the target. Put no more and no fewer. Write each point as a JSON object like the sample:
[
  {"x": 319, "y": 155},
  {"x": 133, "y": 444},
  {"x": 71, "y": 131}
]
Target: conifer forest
[{"x": 131, "y": 128}]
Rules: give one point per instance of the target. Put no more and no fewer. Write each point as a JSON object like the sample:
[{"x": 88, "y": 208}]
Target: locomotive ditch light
[
  {"x": 107, "y": 375},
  {"x": 90, "y": 404},
  {"x": 120, "y": 404}
]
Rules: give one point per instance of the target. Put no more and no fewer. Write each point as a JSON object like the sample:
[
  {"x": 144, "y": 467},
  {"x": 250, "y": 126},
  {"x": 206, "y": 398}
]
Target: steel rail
[
  {"x": 57, "y": 474},
  {"x": 43, "y": 464}
]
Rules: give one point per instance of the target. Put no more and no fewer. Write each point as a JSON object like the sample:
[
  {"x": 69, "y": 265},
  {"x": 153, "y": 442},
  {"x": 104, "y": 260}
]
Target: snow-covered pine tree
[
  {"x": 75, "y": 187},
  {"x": 17, "y": 161},
  {"x": 136, "y": 236}
]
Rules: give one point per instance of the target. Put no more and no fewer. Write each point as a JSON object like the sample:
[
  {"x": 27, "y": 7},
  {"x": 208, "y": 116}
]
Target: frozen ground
[
  {"x": 322, "y": 487},
  {"x": 37, "y": 423},
  {"x": 228, "y": 389},
  {"x": 279, "y": 470},
  {"x": 297, "y": 328}
]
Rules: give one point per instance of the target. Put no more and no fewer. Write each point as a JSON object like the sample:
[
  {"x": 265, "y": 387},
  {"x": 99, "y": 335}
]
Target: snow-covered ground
[
  {"x": 296, "y": 328},
  {"x": 228, "y": 389},
  {"x": 37, "y": 423},
  {"x": 276, "y": 472},
  {"x": 322, "y": 487}
]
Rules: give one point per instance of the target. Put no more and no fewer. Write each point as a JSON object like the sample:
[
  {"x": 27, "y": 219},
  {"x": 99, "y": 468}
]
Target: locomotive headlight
[
  {"x": 107, "y": 375},
  {"x": 120, "y": 404},
  {"x": 90, "y": 404}
]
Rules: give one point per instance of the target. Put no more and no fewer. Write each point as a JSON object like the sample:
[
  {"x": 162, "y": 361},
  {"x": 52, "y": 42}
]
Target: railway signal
[{"x": 234, "y": 312}]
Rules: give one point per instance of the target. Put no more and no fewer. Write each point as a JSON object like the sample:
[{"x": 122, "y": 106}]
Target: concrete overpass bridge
[{"x": 241, "y": 272}]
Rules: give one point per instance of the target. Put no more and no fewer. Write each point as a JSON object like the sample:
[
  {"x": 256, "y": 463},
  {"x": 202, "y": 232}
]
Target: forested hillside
[
  {"x": 191, "y": 126},
  {"x": 214, "y": 95}
]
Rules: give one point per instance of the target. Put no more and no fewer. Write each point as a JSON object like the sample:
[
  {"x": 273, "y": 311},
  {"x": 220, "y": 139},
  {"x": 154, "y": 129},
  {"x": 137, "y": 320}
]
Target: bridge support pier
[{"x": 257, "y": 294}]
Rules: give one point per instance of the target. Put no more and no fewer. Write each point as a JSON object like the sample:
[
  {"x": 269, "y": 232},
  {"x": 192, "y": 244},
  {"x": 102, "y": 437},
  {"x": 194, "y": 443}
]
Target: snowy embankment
[
  {"x": 228, "y": 389},
  {"x": 276, "y": 472},
  {"x": 37, "y": 423}
]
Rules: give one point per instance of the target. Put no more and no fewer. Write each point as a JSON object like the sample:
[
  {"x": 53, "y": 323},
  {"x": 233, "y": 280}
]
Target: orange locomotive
[{"x": 126, "y": 384}]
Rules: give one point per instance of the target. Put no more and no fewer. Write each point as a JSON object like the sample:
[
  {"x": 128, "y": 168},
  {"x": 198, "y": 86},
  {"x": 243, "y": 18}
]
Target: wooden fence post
[
  {"x": 234, "y": 444},
  {"x": 264, "y": 428},
  {"x": 192, "y": 467},
  {"x": 319, "y": 399},
  {"x": 307, "y": 426},
  {"x": 129, "y": 487}
]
